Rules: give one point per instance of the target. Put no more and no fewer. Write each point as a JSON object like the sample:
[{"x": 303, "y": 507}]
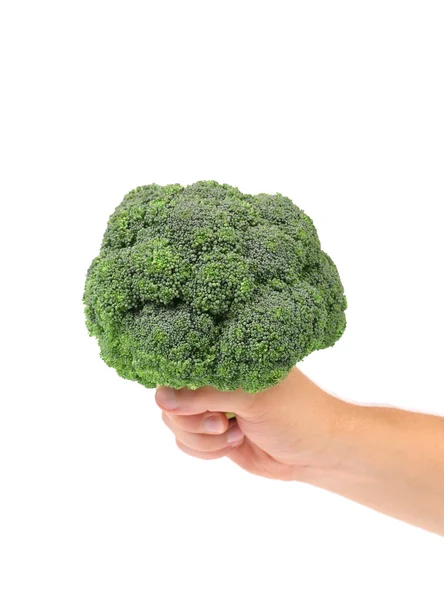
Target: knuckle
[
  {"x": 211, "y": 456},
  {"x": 201, "y": 454},
  {"x": 181, "y": 447},
  {"x": 168, "y": 421}
]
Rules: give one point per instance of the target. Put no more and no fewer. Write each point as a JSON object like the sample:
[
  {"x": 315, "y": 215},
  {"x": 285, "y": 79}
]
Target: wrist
[{"x": 341, "y": 427}]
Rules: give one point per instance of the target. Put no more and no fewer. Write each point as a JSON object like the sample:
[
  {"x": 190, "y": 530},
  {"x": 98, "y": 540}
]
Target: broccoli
[{"x": 204, "y": 285}]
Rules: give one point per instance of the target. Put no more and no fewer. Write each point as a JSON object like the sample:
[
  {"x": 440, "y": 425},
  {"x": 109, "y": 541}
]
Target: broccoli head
[{"x": 204, "y": 285}]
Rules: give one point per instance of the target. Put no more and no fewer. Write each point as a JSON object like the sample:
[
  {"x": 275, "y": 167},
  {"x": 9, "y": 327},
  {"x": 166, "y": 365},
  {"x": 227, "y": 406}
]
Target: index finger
[{"x": 193, "y": 402}]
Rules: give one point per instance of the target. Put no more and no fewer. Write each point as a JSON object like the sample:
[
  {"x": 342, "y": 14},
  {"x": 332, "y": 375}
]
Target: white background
[{"x": 339, "y": 105}]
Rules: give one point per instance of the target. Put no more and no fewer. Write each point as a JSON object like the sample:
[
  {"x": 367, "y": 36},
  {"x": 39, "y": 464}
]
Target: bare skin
[{"x": 385, "y": 458}]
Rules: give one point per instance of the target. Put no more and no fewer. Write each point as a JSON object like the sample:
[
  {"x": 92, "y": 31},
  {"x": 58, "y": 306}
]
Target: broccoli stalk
[{"x": 204, "y": 285}]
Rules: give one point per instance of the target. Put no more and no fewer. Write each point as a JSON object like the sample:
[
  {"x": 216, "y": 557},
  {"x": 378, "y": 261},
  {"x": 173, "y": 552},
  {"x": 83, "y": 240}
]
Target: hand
[
  {"x": 385, "y": 458},
  {"x": 277, "y": 433}
]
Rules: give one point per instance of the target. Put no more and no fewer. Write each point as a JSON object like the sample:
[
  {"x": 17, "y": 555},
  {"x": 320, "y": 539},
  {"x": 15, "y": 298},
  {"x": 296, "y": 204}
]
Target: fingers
[
  {"x": 213, "y": 445},
  {"x": 207, "y": 455},
  {"x": 193, "y": 402},
  {"x": 209, "y": 423}
]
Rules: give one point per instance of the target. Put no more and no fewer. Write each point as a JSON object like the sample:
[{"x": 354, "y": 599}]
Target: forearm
[{"x": 389, "y": 460}]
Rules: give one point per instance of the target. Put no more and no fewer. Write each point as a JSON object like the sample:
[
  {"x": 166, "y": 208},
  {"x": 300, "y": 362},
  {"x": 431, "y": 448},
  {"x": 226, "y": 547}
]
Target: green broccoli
[{"x": 204, "y": 285}]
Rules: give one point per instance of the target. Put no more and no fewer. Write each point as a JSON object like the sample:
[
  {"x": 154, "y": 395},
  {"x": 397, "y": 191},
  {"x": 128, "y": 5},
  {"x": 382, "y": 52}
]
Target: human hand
[
  {"x": 278, "y": 433},
  {"x": 385, "y": 458}
]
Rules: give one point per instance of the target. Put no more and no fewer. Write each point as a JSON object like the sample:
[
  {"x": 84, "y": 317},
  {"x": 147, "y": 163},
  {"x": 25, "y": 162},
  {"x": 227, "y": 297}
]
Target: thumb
[{"x": 193, "y": 402}]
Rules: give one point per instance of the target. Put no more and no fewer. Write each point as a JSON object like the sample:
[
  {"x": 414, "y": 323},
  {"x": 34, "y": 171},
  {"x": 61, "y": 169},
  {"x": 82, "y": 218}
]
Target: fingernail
[
  {"x": 213, "y": 425},
  {"x": 166, "y": 398},
  {"x": 234, "y": 435}
]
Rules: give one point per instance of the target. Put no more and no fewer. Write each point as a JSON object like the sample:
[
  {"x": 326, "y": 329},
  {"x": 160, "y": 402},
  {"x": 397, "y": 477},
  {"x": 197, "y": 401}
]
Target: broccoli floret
[{"x": 204, "y": 285}]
